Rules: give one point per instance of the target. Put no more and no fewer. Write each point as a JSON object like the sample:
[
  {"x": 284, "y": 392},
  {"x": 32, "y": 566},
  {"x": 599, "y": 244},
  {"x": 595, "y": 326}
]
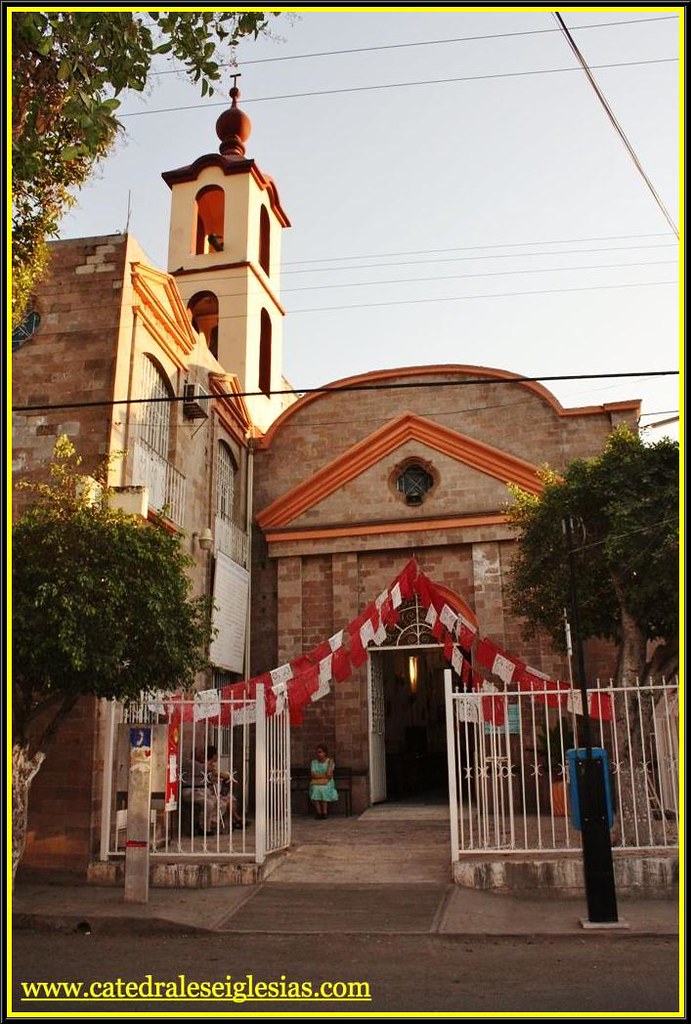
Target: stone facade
[
  {"x": 336, "y": 532},
  {"x": 106, "y": 314}
]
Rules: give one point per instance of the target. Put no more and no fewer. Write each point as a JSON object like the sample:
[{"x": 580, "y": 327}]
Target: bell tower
[{"x": 224, "y": 251}]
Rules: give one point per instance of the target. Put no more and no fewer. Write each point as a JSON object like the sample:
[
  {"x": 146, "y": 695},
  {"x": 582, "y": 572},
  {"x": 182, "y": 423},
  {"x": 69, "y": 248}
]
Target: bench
[{"x": 343, "y": 780}]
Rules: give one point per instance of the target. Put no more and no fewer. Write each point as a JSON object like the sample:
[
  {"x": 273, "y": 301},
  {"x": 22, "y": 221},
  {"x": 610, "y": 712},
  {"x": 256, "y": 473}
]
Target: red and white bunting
[
  {"x": 336, "y": 640},
  {"x": 206, "y": 705},
  {"x": 325, "y": 670},
  {"x": 503, "y": 667},
  {"x": 448, "y": 618},
  {"x": 396, "y": 596},
  {"x": 574, "y": 702},
  {"x": 457, "y": 660},
  {"x": 466, "y": 632},
  {"x": 280, "y": 675},
  {"x": 380, "y": 635},
  {"x": 366, "y": 632}
]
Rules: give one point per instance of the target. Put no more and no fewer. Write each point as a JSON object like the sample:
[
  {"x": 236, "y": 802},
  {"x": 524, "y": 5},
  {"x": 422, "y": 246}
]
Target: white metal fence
[
  {"x": 508, "y": 765},
  {"x": 195, "y": 812}
]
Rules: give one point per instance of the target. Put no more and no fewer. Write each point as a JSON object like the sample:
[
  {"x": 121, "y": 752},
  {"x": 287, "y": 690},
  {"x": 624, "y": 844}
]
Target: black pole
[{"x": 598, "y": 868}]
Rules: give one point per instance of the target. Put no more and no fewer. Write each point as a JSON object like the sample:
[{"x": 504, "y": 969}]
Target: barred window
[
  {"x": 225, "y": 483},
  {"x": 154, "y": 417}
]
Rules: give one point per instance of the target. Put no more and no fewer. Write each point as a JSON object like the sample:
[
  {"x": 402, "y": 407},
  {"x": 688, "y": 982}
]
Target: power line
[
  {"x": 628, "y": 533},
  {"x": 458, "y": 277},
  {"x": 497, "y": 245},
  {"x": 494, "y": 256},
  {"x": 615, "y": 123},
  {"x": 342, "y": 388},
  {"x": 454, "y": 298},
  {"x": 427, "y": 42},
  {"x": 396, "y": 85},
  {"x": 462, "y": 298}
]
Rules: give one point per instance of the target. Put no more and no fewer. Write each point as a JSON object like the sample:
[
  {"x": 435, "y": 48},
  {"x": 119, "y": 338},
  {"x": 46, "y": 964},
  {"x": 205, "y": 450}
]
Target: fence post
[
  {"x": 138, "y": 816},
  {"x": 260, "y": 778},
  {"x": 107, "y": 791},
  {"x": 451, "y": 761}
]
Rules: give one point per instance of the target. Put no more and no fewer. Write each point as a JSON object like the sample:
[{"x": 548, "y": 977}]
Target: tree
[
  {"x": 68, "y": 69},
  {"x": 625, "y": 506},
  {"x": 100, "y": 607}
]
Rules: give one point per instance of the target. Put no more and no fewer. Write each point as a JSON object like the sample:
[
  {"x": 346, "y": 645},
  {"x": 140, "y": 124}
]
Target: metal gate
[
  {"x": 272, "y": 779},
  {"x": 193, "y": 813},
  {"x": 377, "y": 738},
  {"x": 508, "y": 765}
]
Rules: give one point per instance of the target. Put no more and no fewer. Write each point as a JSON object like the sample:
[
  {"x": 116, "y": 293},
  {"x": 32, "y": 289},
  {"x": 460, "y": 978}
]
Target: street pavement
[{"x": 378, "y": 874}]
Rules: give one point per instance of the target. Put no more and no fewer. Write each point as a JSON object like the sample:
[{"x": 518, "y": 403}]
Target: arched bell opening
[
  {"x": 210, "y": 204},
  {"x": 203, "y": 311}
]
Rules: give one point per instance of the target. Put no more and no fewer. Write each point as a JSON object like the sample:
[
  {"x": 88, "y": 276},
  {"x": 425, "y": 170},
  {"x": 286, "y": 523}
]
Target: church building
[{"x": 298, "y": 511}]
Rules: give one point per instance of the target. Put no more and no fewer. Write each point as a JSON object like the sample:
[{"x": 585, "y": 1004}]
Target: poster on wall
[{"x": 231, "y": 593}]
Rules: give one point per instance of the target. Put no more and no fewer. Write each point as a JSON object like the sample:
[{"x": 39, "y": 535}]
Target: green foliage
[
  {"x": 68, "y": 70},
  {"x": 625, "y": 504},
  {"x": 101, "y": 601}
]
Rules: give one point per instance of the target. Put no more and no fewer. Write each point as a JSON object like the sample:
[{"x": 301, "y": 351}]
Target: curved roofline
[
  {"x": 373, "y": 376},
  {"x": 192, "y": 171}
]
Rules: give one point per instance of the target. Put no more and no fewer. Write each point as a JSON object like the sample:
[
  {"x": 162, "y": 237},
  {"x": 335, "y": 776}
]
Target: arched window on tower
[
  {"x": 210, "y": 203},
  {"x": 265, "y": 354},
  {"x": 203, "y": 309},
  {"x": 265, "y": 241}
]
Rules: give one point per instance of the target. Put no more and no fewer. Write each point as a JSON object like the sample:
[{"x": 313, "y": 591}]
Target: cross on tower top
[{"x": 235, "y": 92}]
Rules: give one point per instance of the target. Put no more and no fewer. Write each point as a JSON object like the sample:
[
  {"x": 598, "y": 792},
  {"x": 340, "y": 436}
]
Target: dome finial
[{"x": 233, "y": 126}]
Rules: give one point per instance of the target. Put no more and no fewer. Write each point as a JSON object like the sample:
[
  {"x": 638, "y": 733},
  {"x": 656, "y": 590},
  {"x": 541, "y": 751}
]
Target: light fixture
[
  {"x": 412, "y": 674},
  {"x": 204, "y": 539}
]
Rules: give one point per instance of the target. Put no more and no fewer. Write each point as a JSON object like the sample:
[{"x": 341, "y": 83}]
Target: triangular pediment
[
  {"x": 366, "y": 453},
  {"x": 161, "y": 307},
  {"x": 230, "y": 405}
]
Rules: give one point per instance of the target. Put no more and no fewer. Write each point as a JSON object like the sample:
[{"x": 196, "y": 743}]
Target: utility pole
[{"x": 595, "y": 835}]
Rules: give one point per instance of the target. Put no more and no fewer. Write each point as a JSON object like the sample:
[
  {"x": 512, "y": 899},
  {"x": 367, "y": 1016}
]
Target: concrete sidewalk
[
  {"x": 385, "y": 872},
  {"x": 303, "y": 908}
]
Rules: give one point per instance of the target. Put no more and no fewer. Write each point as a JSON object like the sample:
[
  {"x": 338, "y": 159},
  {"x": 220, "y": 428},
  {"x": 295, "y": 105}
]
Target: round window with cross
[{"x": 413, "y": 482}]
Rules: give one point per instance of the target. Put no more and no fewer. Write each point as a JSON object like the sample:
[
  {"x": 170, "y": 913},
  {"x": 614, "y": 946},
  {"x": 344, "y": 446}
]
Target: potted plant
[{"x": 552, "y": 746}]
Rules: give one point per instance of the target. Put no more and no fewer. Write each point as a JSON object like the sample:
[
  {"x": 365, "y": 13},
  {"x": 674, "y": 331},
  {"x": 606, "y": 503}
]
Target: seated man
[{"x": 203, "y": 788}]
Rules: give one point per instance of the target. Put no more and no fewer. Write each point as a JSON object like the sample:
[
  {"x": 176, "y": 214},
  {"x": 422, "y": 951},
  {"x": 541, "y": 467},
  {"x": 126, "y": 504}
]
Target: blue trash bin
[{"x": 575, "y": 759}]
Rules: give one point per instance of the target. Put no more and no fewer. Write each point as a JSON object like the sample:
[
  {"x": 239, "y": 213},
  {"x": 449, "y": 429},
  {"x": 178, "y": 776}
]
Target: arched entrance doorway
[{"x": 406, "y": 712}]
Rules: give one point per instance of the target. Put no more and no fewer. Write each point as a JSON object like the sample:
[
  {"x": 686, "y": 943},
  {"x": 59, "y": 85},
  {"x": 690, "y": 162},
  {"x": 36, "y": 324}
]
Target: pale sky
[{"x": 449, "y": 205}]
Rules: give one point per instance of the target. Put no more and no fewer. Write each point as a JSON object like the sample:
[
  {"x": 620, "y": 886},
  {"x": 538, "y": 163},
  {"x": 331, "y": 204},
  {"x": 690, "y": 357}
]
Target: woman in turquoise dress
[{"x": 322, "y": 789}]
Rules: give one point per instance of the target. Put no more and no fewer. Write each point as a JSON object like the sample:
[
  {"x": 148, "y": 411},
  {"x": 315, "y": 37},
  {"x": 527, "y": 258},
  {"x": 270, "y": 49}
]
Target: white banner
[{"x": 231, "y": 593}]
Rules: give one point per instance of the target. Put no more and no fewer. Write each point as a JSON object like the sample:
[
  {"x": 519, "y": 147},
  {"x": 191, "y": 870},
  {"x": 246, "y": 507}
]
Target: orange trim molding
[
  {"x": 238, "y": 265},
  {"x": 230, "y": 406},
  {"x": 377, "y": 529},
  {"x": 373, "y": 448}
]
